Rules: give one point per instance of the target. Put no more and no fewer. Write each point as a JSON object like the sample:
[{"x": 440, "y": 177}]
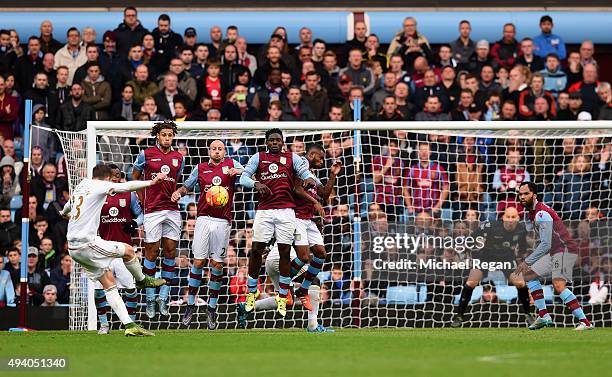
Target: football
[{"x": 217, "y": 196}]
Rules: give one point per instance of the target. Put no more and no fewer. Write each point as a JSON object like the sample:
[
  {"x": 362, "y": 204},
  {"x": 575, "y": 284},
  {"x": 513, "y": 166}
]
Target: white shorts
[
  {"x": 211, "y": 238},
  {"x": 560, "y": 265},
  {"x": 278, "y": 223},
  {"x": 96, "y": 256},
  {"x": 123, "y": 277},
  {"x": 166, "y": 224},
  {"x": 307, "y": 233},
  {"x": 273, "y": 271}
]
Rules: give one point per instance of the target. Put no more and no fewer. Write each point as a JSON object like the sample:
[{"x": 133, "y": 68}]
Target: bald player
[
  {"x": 213, "y": 226},
  {"x": 504, "y": 241}
]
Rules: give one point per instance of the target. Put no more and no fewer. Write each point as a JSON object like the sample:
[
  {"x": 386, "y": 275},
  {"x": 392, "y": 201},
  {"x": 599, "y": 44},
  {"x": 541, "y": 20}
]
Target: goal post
[{"x": 355, "y": 291}]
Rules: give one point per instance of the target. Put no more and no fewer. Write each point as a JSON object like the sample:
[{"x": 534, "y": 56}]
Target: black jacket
[
  {"x": 163, "y": 107},
  {"x": 166, "y": 45},
  {"x": 48, "y": 99},
  {"x": 9, "y": 232},
  {"x": 70, "y": 118},
  {"x": 127, "y": 37},
  {"x": 25, "y": 70}
]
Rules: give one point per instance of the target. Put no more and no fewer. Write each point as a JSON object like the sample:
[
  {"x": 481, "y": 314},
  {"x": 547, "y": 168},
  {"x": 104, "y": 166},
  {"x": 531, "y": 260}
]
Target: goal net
[{"x": 396, "y": 187}]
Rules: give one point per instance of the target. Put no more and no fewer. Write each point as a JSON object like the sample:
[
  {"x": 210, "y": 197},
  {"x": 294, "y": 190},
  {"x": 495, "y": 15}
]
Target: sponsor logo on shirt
[
  {"x": 273, "y": 168},
  {"x": 113, "y": 211},
  {"x": 216, "y": 180},
  {"x": 165, "y": 169}
]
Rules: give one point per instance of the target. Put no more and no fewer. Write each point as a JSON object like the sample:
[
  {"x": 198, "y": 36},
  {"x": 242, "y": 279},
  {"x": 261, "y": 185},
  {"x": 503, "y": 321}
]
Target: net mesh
[{"x": 425, "y": 182}]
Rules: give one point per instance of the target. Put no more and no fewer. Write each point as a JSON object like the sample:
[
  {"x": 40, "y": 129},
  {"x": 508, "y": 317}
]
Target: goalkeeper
[{"x": 502, "y": 242}]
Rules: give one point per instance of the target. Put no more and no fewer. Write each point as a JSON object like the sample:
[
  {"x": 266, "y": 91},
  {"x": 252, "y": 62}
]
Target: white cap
[{"x": 585, "y": 115}]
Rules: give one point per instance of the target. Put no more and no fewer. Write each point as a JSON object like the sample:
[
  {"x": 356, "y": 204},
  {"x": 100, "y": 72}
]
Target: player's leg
[
  {"x": 301, "y": 246},
  {"x": 116, "y": 303},
  {"x": 263, "y": 231},
  {"x": 563, "y": 263},
  {"x": 171, "y": 234},
  {"x": 125, "y": 283},
  {"x": 523, "y": 295},
  {"x": 284, "y": 232},
  {"x": 472, "y": 282},
  {"x": 540, "y": 268},
  {"x": 219, "y": 241},
  {"x": 101, "y": 309},
  {"x": 200, "y": 254},
  {"x": 314, "y": 267},
  {"x": 152, "y": 242},
  {"x": 132, "y": 264}
]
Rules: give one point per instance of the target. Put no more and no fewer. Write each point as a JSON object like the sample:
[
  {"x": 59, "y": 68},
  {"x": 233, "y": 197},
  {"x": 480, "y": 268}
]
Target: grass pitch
[{"x": 293, "y": 353}]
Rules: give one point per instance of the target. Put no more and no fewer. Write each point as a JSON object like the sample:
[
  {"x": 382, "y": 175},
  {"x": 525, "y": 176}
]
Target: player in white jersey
[{"x": 95, "y": 254}]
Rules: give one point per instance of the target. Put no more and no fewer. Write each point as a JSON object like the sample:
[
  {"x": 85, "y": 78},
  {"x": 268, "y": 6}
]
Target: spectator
[
  {"x": 427, "y": 185},
  {"x": 149, "y": 108},
  {"x": 244, "y": 58},
  {"x": 358, "y": 73},
  {"x": 129, "y": 32},
  {"x": 47, "y": 42},
  {"x": 294, "y": 108},
  {"x": 229, "y": 66},
  {"x": 49, "y": 295},
  {"x": 528, "y": 58},
  {"x": 216, "y": 37},
  {"x": 388, "y": 172},
  {"x": 141, "y": 86},
  {"x": 186, "y": 84},
  {"x": 548, "y": 43},
  {"x": 8, "y": 56},
  {"x": 9, "y": 232},
  {"x": 72, "y": 55},
  {"x": 109, "y": 59},
  {"x": 237, "y": 108},
  {"x": 48, "y": 258},
  {"x": 574, "y": 107},
  {"x": 61, "y": 94},
  {"x": 356, "y": 93},
  {"x": 43, "y": 141},
  {"x": 508, "y": 110},
  {"x": 126, "y": 108},
  {"x": 574, "y": 68},
  {"x": 410, "y": 44},
  {"x": 190, "y": 37},
  {"x": 50, "y": 192},
  {"x": 389, "y": 111},
  {"x": 428, "y": 89},
  {"x": 587, "y": 50},
  {"x": 40, "y": 93},
  {"x": 74, "y": 114},
  {"x": 470, "y": 177},
  {"x": 508, "y": 178},
  {"x": 572, "y": 189},
  {"x": 432, "y": 111},
  {"x": 480, "y": 58},
  {"x": 9, "y": 111},
  {"x": 507, "y": 50},
  {"x": 199, "y": 67},
  {"x": 605, "y": 93},
  {"x": 536, "y": 90},
  {"x": 461, "y": 112},
  {"x": 463, "y": 47},
  {"x": 60, "y": 277},
  {"x": 36, "y": 161},
  {"x": 157, "y": 63},
  {"x": 487, "y": 84},
  {"x": 39, "y": 231},
  {"x": 588, "y": 88},
  {"x": 212, "y": 85},
  {"x": 93, "y": 56},
  {"x": 7, "y": 291},
  {"x": 97, "y": 92},
  {"x": 10, "y": 181},
  {"x": 166, "y": 40},
  {"x": 555, "y": 80},
  {"x": 360, "y": 37},
  {"x": 339, "y": 287},
  {"x": 519, "y": 77},
  {"x": 127, "y": 67},
  {"x": 28, "y": 64},
  {"x": 164, "y": 99},
  {"x": 13, "y": 254},
  {"x": 238, "y": 283},
  {"x": 314, "y": 96},
  {"x": 37, "y": 279}
]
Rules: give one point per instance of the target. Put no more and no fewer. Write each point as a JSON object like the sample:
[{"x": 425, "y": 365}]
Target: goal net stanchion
[{"x": 562, "y": 157}]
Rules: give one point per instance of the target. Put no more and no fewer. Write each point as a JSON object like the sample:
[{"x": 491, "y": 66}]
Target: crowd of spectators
[{"x": 131, "y": 73}]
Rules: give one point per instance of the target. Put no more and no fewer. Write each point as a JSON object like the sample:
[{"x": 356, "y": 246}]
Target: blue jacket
[
  {"x": 554, "y": 82},
  {"x": 7, "y": 291},
  {"x": 545, "y": 44}
]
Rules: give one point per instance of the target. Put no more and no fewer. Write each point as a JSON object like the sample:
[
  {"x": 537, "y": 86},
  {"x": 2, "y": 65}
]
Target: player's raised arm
[
  {"x": 325, "y": 191},
  {"x": 302, "y": 170},
  {"x": 135, "y": 185},
  {"x": 188, "y": 186},
  {"x": 544, "y": 223},
  {"x": 139, "y": 166}
]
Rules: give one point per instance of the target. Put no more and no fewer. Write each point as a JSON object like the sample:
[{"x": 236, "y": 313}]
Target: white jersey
[{"x": 86, "y": 203}]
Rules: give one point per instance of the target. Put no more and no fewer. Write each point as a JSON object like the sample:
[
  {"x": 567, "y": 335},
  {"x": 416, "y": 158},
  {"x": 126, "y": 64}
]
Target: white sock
[
  {"x": 266, "y": 303},
  {"x": 314, "y": 293},
  {"x": 116, "y": 303},
  {"x": 135, "y": 269}
]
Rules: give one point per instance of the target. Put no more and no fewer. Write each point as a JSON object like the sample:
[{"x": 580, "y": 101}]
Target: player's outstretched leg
[
  {"x": 195, "y": 280},
  {"x": 132, "y": 264},
  {"x": 214, "y": 286},
  {"x": 544, "y": 319},
  {"x": 102, "y": 310},
  {"x": 314, "y": 267}
]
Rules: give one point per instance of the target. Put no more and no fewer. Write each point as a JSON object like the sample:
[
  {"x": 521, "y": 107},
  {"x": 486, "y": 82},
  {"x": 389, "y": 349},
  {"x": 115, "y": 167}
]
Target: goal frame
[{"x": 356, "y": 126}]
